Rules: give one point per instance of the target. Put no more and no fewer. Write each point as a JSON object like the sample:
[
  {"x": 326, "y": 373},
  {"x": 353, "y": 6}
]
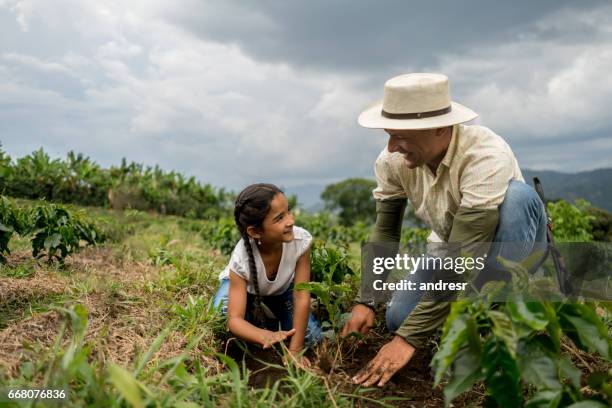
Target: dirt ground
[{"x": 412, "y": 386}]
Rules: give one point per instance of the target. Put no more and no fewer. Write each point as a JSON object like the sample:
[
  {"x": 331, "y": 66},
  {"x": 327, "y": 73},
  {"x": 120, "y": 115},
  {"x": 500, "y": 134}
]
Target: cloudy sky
[{"x": 240, "y": 91}]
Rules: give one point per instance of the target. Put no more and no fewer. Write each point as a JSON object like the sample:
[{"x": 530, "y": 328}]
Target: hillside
[{"x": 594, "y": 186}]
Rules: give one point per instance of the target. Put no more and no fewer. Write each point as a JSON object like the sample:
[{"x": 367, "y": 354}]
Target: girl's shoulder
[
  {"x": 240, "y": 251},
  {"x": 301, "y": 240},
  {"x": 238, "y": 262},
  {"x": 300, "y": 233}
]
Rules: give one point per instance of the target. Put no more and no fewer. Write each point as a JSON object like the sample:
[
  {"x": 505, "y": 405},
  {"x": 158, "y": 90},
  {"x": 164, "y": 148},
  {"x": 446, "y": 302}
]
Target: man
[{"x": 463, "y": 181}]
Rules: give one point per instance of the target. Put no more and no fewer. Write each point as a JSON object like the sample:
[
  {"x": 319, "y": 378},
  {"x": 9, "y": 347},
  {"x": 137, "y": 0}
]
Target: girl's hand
[{"x": 273, "y": 337}]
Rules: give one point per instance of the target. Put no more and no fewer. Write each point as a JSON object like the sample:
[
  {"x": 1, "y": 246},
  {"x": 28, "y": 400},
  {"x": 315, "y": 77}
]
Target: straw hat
[{"x": 415, "y": 101}]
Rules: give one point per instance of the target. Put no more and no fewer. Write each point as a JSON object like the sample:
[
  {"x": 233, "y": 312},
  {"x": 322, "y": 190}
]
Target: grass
[{"x": 130, "y": 323}]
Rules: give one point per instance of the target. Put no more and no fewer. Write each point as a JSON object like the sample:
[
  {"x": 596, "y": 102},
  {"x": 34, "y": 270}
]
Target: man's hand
[
  {"x": 272, "y": 337},
  {"x": 361, "y": 321},
  {"x": 389, "y": 360}
]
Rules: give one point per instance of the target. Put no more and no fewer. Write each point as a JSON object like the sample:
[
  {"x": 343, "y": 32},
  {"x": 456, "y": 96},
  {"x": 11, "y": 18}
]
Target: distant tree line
[
  {"x": 79, "y": 180},
  {"x": 352, "y": 201}
]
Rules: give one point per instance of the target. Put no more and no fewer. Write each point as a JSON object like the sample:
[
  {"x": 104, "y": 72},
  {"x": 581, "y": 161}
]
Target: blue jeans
[
  {"x": 522, "y": 227},
  {"x": 280, "y": 305}
]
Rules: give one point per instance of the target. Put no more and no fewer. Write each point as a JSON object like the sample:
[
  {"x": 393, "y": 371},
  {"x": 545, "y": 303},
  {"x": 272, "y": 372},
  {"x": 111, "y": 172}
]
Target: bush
[
  {"x": 323, "y": 226},
  {"x": 571, "y": 223},
  {"x": 58, "y": 233},
  {"x": 79, "y": 180},
  {"x": 11, "y": 221},
  {"x": 221, "y": 235},
  {"x": 601, "y": 224}
]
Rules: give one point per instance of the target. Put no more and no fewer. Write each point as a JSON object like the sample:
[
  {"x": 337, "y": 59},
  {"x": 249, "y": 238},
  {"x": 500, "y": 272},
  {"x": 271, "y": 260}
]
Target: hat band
[{"x": 418, "y": 115}]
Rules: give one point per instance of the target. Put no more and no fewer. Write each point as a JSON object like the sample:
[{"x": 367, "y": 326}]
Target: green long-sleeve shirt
[{"x": 471, "y": 228}]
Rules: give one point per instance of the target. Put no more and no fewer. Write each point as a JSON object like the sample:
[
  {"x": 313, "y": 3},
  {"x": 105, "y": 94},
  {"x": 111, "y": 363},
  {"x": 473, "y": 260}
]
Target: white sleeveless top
[{"x": 239, "y": 263}]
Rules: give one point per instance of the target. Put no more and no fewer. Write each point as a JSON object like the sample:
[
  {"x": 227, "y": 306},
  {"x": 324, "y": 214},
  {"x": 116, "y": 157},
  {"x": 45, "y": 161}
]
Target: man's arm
[
  {"x": 474, "y": 229},
  {"x": 387, "y": 229}
]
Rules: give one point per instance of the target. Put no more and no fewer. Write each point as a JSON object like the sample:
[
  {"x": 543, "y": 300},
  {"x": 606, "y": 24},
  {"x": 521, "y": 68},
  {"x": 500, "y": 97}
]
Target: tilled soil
[{"x": 411, "y": 386}]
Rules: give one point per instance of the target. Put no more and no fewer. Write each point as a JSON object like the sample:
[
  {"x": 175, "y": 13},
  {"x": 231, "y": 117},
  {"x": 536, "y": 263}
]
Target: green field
[{"x": 129, "y": 323}]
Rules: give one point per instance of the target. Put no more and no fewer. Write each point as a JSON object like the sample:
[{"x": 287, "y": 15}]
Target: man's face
[{"x": 417, "y": 146}]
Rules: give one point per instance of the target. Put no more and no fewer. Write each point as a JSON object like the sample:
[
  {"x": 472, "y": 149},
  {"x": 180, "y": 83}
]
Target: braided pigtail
[
  {"x": 252, "y": 206},
  {"x": 258, "y": 313}
]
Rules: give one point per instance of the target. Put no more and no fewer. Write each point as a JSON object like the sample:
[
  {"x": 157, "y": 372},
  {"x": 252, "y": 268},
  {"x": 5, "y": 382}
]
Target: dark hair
[{"x": 252, "y": 206}]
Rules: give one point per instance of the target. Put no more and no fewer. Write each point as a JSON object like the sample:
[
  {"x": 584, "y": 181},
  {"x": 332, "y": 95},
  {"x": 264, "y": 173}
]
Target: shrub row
[
  {"x": 55, "y": 232},
  {"x": 79, "y": 180}
]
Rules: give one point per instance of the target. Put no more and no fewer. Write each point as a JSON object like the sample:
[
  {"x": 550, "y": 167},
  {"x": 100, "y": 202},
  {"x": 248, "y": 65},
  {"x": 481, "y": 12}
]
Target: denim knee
[
  {"x": 520, "y": 196},
  {"x": 522, "y": 216},
  {"x": 395, "y": 316}
]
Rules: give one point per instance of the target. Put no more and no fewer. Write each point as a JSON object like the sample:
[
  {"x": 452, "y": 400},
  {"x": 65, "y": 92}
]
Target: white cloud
[
  {"x": 141, "y": 86},
  {"x": 542, "y": 86},
  {"x": 36, "y": 63},
  {"x": 152, "y": 79}
]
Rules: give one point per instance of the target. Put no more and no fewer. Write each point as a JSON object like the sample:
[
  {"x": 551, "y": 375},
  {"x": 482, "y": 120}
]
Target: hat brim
[{"x": 372, "y": 118}]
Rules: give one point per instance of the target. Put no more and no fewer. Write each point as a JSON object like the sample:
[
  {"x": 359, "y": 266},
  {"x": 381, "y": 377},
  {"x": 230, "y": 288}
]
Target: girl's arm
[
  {"x": 239, "y": 326},
  {"x": 301, "y": 302}
]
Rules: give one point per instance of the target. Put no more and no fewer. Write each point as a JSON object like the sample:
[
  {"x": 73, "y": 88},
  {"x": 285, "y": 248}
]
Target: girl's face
[{"x": 278, "y": 225}]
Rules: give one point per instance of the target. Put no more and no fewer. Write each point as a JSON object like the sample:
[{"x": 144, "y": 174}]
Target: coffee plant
[
  {"x": 79, "y": 180},
  {"x": 11, "y": 221},
  {"x": 515, "y": 347},
  {"x": 330, "y": 268},
  {"x": 58, "y": 233}
]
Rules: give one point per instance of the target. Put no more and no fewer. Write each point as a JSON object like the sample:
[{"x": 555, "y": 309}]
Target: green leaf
[
  {"x": 538, "y": 369},
  {"x": 588, "y": 404},
  {"x": 466, "y": 371},
  {"x": 568, "y": 370},
  {"x": 455, "y": 338},
  {"x": 126, "y": 384},
  {"x": 545, "y": 399},
  {"x": 601, "y": 381},
  {"x": 52, "y": 241},
  {"x": 155, "y": 346},
  {"x": 581, "y": 323},
  {"x": 532, "y": 314},
  {"x": 27, "y": 370},
  {"x": 554, "y": 328},
  {"x": 501, "y": 374},
  {"x": 504, "y": 329}
]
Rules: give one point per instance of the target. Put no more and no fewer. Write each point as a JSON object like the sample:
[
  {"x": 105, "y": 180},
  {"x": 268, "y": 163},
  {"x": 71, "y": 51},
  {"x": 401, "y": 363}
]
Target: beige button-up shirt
[{"x": 474, "y": 173}]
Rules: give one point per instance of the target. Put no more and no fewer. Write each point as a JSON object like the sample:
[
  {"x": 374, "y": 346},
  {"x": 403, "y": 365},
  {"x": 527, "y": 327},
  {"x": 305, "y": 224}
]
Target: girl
[{"x": 271, "y": 257}]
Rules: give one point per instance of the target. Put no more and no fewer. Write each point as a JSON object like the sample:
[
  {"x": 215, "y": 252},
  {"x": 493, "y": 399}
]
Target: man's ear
[{"x": 253, "y": 232}]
